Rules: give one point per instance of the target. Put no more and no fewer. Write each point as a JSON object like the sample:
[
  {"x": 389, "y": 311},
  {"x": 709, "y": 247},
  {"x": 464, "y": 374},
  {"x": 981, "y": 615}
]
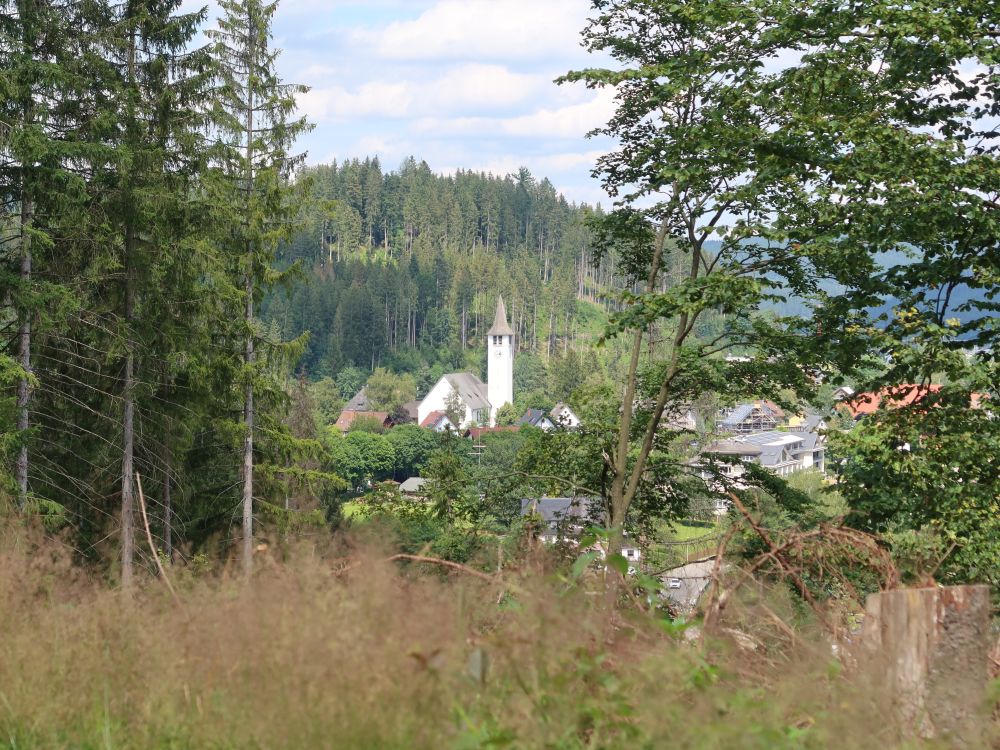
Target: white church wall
[
  {"x": 500, "y": 373},
  {"x": 435, "y": 400}
]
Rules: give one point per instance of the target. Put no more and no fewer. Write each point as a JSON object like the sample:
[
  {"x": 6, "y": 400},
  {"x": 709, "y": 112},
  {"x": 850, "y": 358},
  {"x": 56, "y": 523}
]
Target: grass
[
  {"x": 318, "y": 653},
  {"x": 680, "y": 532}
]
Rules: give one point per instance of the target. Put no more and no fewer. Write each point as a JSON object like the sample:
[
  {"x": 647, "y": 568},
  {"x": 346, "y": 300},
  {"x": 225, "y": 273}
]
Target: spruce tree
[
  {"x": 36, "y": 111},
  {"x": 148, "y": 83},
  {"x": 250, "y": 185}
]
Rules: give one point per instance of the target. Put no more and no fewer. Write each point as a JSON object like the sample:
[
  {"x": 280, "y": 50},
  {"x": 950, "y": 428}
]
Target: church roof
[
  {"x": 470, "y": 389},
  {"x": 500, "y": 325}
]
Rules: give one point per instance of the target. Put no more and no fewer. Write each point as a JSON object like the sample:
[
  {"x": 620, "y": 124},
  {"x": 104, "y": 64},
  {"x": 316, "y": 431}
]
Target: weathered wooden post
[{"x": 930, "y": 646}]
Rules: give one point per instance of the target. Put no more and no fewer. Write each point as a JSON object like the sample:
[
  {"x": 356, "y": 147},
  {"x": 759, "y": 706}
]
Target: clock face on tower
[{"x": 499, "y": 352}]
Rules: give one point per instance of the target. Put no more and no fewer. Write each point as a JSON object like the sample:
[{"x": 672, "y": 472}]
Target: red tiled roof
[
  {"x": 906, "y": 394},
  {"x": 775, "y": 410},
  {"x": 431, "y": 419},
  {"x": 346, "y": 418}
]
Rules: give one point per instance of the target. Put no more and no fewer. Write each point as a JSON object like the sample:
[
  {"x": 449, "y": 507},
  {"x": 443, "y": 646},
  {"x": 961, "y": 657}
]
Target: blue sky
[{"x": 458, "y": 83}]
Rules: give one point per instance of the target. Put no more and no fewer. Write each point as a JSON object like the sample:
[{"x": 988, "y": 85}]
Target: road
[{"x": 694, "y": 577}]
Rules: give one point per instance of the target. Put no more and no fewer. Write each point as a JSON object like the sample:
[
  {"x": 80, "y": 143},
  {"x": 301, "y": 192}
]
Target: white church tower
[{"x": 500, "y": 367}]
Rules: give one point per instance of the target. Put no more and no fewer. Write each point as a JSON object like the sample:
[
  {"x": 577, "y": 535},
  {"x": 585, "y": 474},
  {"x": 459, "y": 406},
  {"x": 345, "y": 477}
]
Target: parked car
[{"x": 674, "y": 583}]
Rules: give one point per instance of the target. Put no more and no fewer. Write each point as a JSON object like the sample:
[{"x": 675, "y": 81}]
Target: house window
[{"x": 497, "y": 340}]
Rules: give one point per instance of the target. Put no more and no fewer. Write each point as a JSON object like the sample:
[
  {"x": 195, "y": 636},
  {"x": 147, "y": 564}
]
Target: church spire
[{"x": 500, "y": 325}]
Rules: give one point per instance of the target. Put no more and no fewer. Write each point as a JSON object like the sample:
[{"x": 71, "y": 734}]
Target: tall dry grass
[{"x": 383, "y": 657}]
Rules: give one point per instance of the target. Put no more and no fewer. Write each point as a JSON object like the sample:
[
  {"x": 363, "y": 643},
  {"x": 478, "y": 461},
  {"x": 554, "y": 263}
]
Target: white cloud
[
  {"x": 575, "y": 120},
  {"x": 460, "y": 89},
  {"x": 482, "y": 29},
  {"x": 571, "y": 121}
]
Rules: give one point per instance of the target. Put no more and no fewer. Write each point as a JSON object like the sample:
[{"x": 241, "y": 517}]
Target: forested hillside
[{"x": 402, "y": 268}]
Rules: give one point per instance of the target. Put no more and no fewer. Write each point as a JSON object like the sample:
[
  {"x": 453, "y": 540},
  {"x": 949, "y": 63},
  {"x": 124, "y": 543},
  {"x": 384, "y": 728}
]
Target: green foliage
[
  {"x": 932, "y": 468},
  {"x": 328, "y": 400},
  {"x": 530, "y": 373},
  {"x": 508, "y": 414},
  {"x": 387, "y": 391},
  {"x": 376, "y": 455},
  {"x": 412, "y": 447},
  {"x": 450, "y": 490},
  {"x": 349, "y": 382},
  {"x": 454, "y": 408},
  {"x": 409, "y": 288},
  {"x": 365, "y": 423}
]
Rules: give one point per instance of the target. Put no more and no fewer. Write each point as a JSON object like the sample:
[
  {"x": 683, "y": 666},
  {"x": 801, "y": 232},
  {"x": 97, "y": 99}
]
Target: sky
[{"x": 461, "y": 84}]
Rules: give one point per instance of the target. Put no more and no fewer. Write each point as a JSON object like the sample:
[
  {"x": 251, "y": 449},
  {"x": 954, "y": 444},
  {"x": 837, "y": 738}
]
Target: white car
[{"x": 674, "y": 583}]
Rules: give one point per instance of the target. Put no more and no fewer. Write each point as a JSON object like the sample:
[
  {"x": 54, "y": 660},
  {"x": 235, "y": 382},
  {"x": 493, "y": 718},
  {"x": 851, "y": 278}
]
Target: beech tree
[
  {"x": 692, "y": 186},
  {"x": 787, "y": 151}
]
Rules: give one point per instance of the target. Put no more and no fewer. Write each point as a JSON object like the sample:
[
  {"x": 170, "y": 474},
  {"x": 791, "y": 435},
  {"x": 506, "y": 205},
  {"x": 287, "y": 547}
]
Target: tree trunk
[
  {"x": 929, "y": 647},
  {"x": 621, "y": 492},
  {"x": 24, "y": 355},
  {"x": 248, "y": 353},
  {"x": 168, "y": 546},
  {"x": 248, "y": 418},
  {"x": 128, "y": 424}
]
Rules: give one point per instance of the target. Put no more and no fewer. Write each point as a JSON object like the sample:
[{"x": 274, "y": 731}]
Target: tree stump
[{"x": 931, "y": 646}]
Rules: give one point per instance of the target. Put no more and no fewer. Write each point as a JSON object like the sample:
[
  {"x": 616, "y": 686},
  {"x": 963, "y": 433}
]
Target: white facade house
[
  {"x": 480, "y": 400},
  {"x": 537, "y": 418},
  {"x": 563, "y": 416},
  {"x": 500, "y": 362},
  {"x": 471, "y": 392}
]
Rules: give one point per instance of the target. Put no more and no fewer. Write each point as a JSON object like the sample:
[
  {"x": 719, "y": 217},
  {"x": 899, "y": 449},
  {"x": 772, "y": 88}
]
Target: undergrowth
[{"x": 319, "y": 653}]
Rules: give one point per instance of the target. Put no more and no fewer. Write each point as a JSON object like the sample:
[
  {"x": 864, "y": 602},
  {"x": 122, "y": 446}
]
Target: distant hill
[{"x": 405, "y": 266}]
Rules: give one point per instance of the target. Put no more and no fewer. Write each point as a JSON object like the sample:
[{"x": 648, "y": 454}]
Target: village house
[
  {"x": 563, "y": 416},
  {"x": 781, "y": 452},
  {"x": 414, "y": 488},
  {"x": 439, "y": 422},
  {"x": 758, "y": 416},
  {"x": 564, "y": 519},
  {"x": 537, "y": 418},
  {"x": 865, "y": 404}
]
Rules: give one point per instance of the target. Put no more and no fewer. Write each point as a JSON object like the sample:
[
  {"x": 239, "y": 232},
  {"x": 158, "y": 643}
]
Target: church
[{"x": 481, "y": 400}]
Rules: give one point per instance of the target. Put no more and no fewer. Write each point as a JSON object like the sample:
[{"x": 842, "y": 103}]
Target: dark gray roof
[
  {"x": 809, "y": 441},
  {"x": 555, "y": 509},
  {"x": 360, "y": 402},
  {"x": 532, "y": 417},
  {"x": 500, "y": 326},
  {"x": 413, "y": 484},
  {"x": 738, "y": 414},
  {"x": 775, "y": 447},
  {"x": 734, "y": 448},
  {"x": 813, "y": 422},
  {"x": 470, "y": 389}
]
